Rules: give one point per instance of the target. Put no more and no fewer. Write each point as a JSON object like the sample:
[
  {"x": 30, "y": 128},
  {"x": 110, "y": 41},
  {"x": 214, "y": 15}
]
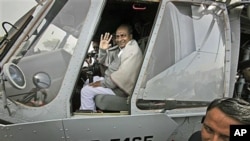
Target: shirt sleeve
[{"x": 102, "y": 56}]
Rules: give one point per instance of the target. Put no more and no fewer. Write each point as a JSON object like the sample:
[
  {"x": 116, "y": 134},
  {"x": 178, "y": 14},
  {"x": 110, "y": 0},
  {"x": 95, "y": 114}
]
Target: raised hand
[{"x": 104, "y": 41}]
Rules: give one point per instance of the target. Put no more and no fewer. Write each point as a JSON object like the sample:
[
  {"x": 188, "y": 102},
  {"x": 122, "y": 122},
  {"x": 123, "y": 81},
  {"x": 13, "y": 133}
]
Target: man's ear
[
  {"x": 131, "y": 36},
  {"x": 203, "y": 118}
]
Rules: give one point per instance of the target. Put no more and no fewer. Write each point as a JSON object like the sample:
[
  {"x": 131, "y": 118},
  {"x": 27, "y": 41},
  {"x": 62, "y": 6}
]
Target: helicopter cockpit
[
  {"x": 41, "y": 45},
  {"x": 46, "y": 46}
]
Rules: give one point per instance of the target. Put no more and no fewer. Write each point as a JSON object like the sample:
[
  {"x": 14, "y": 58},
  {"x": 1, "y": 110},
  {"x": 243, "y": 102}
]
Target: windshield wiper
[{"x": 5, "y": 38}]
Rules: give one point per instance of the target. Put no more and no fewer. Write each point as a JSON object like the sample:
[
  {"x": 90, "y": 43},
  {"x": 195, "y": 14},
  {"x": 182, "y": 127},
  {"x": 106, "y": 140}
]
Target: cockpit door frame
[{"x": 140, "y": 89}]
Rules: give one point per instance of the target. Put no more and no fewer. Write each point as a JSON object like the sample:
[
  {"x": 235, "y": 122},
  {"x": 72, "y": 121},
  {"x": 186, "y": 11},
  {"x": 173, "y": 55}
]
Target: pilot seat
[{"x": 111, "y": 103}]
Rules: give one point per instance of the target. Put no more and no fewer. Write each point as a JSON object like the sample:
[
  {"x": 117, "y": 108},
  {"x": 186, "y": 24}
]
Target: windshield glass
[
  {"x": 187, "y": 59},
  {"x": 14, "y": 30},
  {"x": 48, "y": 50},
  {"x": 11, "y": 10}
]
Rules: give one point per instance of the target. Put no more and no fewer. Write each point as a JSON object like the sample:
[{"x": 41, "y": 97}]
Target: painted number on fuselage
[{"x": 146, "y": 138}]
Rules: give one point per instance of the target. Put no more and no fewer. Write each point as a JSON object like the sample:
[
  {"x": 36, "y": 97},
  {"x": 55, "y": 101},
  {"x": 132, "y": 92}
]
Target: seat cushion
[{"x": 111, "y": 103}]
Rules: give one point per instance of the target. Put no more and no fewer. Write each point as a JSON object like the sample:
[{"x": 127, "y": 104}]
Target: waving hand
[{"x": 104, "y": 41}]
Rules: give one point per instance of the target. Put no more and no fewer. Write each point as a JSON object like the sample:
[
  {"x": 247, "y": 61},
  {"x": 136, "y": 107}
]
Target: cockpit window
[
  {"x": 55, "y": 38},
  {"x": 186, "y": 37},
  {"x": 15, "y": 30},
  {"x": 48, "y": 50}
]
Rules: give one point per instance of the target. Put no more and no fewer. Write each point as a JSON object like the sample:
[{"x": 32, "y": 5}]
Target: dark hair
[
  {"x": 235, "y": 108},
  {"x": 128, "y": 26}
]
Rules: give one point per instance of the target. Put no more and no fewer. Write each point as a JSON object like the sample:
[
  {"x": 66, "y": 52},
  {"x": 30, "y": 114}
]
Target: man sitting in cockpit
[
  {"x": 107, "y": 56},
  {"x": 121, "y": 74}
]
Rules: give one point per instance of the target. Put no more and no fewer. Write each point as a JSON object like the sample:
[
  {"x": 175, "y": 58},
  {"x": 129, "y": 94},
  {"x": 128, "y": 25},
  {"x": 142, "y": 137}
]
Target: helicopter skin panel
[
  {"x": 156, "y": 127},
  {"x": 47, "y": 130}
]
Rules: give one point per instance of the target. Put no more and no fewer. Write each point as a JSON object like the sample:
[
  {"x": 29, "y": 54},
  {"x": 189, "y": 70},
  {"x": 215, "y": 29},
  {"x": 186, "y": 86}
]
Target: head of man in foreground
[{"x": 220, "y": 114}]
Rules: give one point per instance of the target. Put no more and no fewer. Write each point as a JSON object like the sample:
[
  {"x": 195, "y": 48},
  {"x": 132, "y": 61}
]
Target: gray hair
[
  {"x": 128, "y": 26},
  {"x": 235, "y": 108}
]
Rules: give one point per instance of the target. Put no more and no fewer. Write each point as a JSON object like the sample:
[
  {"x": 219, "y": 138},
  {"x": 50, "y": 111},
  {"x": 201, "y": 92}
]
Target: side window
[
  {"x": 55, "y": 38},
  {"x": 187, "y": 58},
  {"x": 50, "y": 40},
  {"x": 174, "y": 40}
]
